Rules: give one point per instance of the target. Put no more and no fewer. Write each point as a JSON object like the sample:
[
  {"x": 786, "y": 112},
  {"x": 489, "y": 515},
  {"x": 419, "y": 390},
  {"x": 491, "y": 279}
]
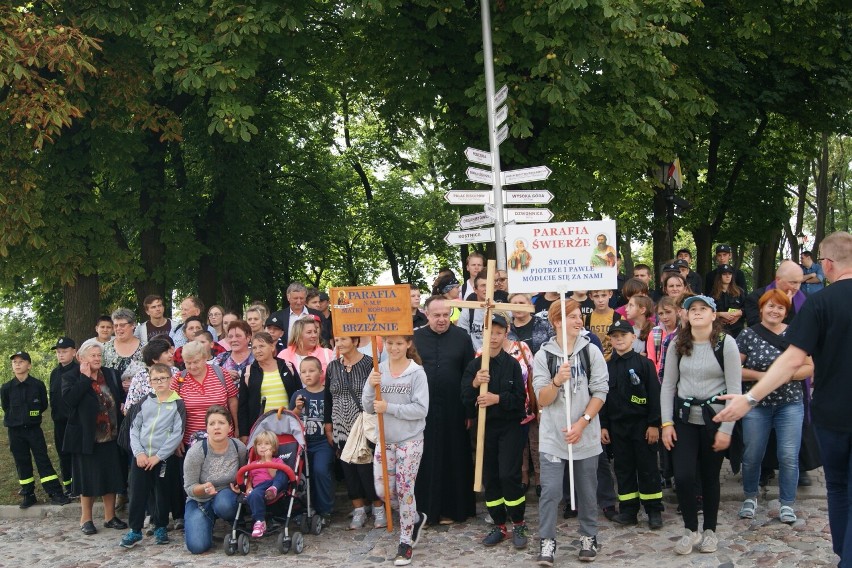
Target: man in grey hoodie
[{"x": 585, "y": 374}]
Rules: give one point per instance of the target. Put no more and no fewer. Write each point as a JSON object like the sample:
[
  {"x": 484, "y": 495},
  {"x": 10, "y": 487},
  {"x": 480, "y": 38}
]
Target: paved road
[{"x": 49, "y": 536}]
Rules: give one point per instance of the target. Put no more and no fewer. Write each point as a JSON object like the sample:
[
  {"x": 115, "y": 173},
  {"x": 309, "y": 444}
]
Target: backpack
[
  {"x": 585, "y": 359},
  {"x": 216, "y": 369},
  {"x": 123, "y": 439}
]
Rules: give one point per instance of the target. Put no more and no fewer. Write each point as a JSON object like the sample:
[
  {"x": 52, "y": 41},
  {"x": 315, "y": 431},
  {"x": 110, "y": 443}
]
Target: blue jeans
[
  {"x": 257, "y": 499},
  {"x": 320, "y": 461},
  {"x": 199, "y": 519},
  {"x": 786, "y": 419},
  {"x": 836, "y": 451}
]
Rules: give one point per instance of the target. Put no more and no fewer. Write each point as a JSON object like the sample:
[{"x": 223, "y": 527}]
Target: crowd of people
[{"x": 640, "y": 389}]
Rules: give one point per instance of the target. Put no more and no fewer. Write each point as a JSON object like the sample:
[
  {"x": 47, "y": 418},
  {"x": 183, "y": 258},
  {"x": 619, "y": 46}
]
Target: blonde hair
[
  {"x": 839, "y": 246},
  {"x": 299, "y": 328},
  {"x": 268, "y": 437}
]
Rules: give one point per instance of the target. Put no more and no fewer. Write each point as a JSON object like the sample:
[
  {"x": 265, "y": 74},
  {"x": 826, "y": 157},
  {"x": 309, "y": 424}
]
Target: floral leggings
[{"x": 403, "y": 463}]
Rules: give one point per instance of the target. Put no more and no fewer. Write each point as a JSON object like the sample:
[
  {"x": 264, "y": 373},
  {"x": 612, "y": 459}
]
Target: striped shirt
[
  {"x": 198, "y": 397},
  {"x": 273, "y": 390}
]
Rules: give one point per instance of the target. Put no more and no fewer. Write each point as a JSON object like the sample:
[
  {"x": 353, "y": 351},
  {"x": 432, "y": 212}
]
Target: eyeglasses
[
  {"x": 121, "y": 325},
  {"x": 159, "y": 379},
  {"x": 824, "y": 258}
]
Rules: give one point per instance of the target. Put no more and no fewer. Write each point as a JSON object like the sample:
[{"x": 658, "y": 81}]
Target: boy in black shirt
[{"x": 66, "y": 350}]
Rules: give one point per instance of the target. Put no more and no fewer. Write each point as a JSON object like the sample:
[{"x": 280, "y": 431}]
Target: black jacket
[
  {"x": 506, "y": 380},
  {"x": 58, "y": 408},
  {"x": 82, "y": 401},
  {"x": 250, "y": 398},
  {"x": 626, "y": 403},
  {"x": 23, "y": 402}
]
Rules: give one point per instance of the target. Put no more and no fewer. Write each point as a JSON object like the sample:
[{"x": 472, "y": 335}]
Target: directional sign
[
  {"x": 485, "y": 235},
  {"x": 479, "y": 175},
  {"x": 478, "y": 156},
  {"x": 528, "y": 215},
  {"x": 501, "y": 96},
  {"x": 469, "y": 197},
  {"x": 502, "y": 133},
  {"x": 526, "y": 175},
  {"x": 475, "y": 220},
  {"x": 501, "y": 114},
  {"x": 530, "y": 197}
]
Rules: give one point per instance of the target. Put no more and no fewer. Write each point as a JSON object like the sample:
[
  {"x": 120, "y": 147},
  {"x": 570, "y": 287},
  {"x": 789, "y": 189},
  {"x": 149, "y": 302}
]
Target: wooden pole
[
  {"x": 384, "y": 451},
  {"x": 567, "y": 388},
  {"x": 483, "y": 388}
]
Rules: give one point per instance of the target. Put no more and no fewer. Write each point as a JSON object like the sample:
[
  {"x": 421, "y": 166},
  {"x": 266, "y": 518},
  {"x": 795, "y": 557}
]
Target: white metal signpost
[
  {"x": 475, "y": 220},
  {"x": 526, "y": 175},
  {"x": 478, "y": 156},
  {"x": 480, "y": 176},
  {"x": 526, "y": 197},
  {"x": 484, "y": 235},
  {"x": 469, "y": 197}
]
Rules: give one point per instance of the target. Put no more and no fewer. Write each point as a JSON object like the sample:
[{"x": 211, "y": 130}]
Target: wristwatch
[
  {"x": 587, "y": 417},
  {"x": 752, "y": 402}
]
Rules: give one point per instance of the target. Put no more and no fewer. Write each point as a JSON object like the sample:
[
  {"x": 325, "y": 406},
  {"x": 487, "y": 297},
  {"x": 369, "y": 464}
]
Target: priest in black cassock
[{"x": 444, "y": 488}]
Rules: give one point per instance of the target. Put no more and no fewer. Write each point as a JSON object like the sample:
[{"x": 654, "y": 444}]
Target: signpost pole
[
  {"x": 488, "y": 56},
  {"x": 381, "y": 423}
]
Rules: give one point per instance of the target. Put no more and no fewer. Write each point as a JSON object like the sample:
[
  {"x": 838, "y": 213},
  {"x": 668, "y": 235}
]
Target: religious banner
[
  {"x": 371, "y": 310},
  {"x": 553, "y": 257}
]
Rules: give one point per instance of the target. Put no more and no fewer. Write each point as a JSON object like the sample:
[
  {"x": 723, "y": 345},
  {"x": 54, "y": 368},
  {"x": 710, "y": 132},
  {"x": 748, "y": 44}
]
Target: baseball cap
[
  {"x": 726, "y": 268},
  {"x": 23, "y": 355},
  {"x": 620, "y": 325},
  {"x": 498, "y": 319},
  {"x": 64, "y": 343},
  {"x": 681, "y": 263},
  {"x": 277, "y": 319},
  {"x": 723, "y": 248},
  {"x": 706, "y": 299},
  {"x": 672, "y": 267}
]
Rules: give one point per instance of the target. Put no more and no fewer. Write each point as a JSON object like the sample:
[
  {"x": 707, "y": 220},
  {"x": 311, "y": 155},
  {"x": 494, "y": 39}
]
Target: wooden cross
[{"x": 489, "y": 306}]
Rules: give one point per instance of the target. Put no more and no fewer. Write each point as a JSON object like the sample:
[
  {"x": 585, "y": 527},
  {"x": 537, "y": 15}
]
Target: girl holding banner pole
[
  {"x": 570, "y": 394},
  {"x": 404, "y": 404}
]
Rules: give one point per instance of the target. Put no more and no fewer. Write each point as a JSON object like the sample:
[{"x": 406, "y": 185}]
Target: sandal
[
  {"x": 748, "y": 509},
  {"x": 787, "y": 515}
]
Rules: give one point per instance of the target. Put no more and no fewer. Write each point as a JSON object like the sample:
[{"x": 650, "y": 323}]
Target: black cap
[
  {"x": 64, "y": 343},
  {"x": 726, "y": 268},
  {"x": 498, "y": 319},
  {"x": 620, "y": 325},
  {"x": 723, "y": 248},
  {"x": 278, "y": 320},
  {"x": 670, "y": 268},
  {"x": 324, "y": 297},
  {"x": 23, "y": 355},
  {"x": 681, "y": 263}
]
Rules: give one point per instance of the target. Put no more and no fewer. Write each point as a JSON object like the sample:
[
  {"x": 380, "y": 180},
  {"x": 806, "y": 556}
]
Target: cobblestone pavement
[{"x": 49, "y": 536}]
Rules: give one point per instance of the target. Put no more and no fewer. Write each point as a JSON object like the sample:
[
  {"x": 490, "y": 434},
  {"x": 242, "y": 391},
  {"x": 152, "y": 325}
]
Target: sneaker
[
  {"x": 625, "y": 519},
  {"x": 417, "y": 531},
  {"x": 259, "y": 529},
  {"x": 28, "y": 501},
  {"x": 787, "y": 515},
  {"x": 496, "y": 536},
  {"x": 610, "y": 512},
  {"x": 588, "y": 548},
  {"x": 403, "y": 555},
  {"x": 520, "y": 536},
  {"x": 546, "y": 550},
  {"x": 359, "y": 518},
  {"x": 59, "y": 499},
  {"x": 130, "y": 539},
  {"x": 115, "y": 523},
  {"x": 270, "y": 494},
  {"x": 687, "y": 541},
  {"x": 380, "y": 519},
  {"x": 748, "y": 508},
  {"x": 161, "y": 535},
  {"x": 709, "y": 542},
  {"x": 655, "y": 520},
  {"x": 178, "y": 525}
]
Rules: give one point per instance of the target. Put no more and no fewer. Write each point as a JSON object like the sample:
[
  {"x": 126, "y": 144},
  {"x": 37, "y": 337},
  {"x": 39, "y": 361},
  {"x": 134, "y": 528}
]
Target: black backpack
[{"x": 585, "y": 359}]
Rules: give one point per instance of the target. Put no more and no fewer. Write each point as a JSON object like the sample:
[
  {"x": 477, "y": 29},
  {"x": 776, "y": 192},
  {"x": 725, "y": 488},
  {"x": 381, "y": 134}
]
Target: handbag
[{"x": 358, "y": 449}]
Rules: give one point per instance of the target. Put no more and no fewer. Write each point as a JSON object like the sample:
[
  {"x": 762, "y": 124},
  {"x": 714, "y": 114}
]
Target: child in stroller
[{"x": 264, "y": 483}]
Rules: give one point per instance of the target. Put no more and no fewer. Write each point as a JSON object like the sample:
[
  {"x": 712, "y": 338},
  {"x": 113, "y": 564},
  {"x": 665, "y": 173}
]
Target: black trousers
[
  {"x": 636, "y": 470},
  {"x": 175, "y": 495},
  {"x": 149, "y": 486},
  {"x": 64, "y": 457},
  {"x": 501, "y": 471},
  {"x": 27, "y": 444},
  {"x": 359, "y": 481},
  {"x": 693, "y": 455}
]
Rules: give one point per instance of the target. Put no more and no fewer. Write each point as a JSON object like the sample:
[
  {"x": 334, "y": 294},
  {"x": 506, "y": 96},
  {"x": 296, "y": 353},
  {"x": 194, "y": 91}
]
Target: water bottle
[{"x": 634, "y": 378}]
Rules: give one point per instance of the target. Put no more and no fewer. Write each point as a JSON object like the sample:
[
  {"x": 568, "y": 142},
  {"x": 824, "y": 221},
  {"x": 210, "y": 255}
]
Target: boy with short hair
[
  {"x": 156, "y": 430},
  {"x": 104, "y": 329},
  {"x": 66, "y": 350},
  {"x": 601, "y": 318},
  {"x": 630, "y": 421},
  {"x": 23, "y": 400}
]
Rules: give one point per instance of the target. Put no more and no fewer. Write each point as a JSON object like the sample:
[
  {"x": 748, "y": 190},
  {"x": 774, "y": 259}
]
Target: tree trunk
[
  {"x": 81, "y": 307},
  {"x": 821, "y": 179},
  {"x": 152, "y": 175},
  {"x": 660, "y": 234},
  {"x": 703, "y": 237},
  {"x": 764, "y": 265}
]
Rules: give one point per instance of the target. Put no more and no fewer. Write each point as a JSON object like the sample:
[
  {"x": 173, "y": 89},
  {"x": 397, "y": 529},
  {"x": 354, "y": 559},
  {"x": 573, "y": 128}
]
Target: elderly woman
[
  {"x": 200, "y": 387},
  {"x": 93, "y": 395},
  {"x": 782, "y": 410},
  {"x": 235, "y": 361},
  {"x": 192, "y": 328},
  {"x": 208, "y": 472},
  {"x": 305, "y": 342},
  {"x": 267, "y": 378},
  {"x": 124, "y": 347}
]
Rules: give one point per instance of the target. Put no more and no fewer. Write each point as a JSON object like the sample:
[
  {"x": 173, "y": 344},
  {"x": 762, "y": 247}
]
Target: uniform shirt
[{"x": 23, "y": 402}]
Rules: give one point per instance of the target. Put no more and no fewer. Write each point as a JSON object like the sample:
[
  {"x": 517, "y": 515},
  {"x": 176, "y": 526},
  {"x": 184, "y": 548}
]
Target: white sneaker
[
  {"x": 359, "y": 518},
  {"x": 709, "y": 542},
  {"x": 380, "y": 520},
  {"x": 687, "y": 541}
]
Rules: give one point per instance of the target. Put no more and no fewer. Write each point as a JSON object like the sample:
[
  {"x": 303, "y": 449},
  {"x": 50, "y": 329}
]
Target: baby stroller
[{"x": 292, "y": 450}]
